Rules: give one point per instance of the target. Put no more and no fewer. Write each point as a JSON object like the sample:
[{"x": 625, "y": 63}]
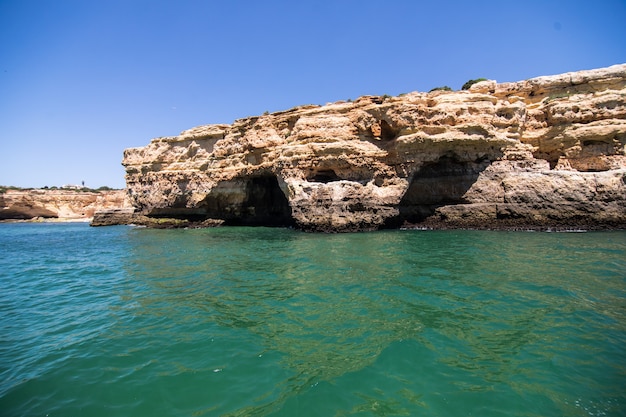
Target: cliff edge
[{"x": 544, "y": 152}]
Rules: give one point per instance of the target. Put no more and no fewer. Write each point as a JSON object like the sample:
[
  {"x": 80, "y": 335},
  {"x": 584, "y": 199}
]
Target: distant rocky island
[
  {"x": 547, "y": 152},
  {"x": 58, "y": 204}
]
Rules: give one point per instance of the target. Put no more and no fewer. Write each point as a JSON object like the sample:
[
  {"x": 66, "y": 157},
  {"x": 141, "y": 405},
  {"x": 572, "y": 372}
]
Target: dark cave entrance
[
  {"x": 437, "y": 184},
  {"x": 242, "y": 201},
  {"x": 324, "y": 176},
  {"x": 249, "y": 201},
  {"x": 387, "y": 133},
  {"x": 265, "y": 204}
]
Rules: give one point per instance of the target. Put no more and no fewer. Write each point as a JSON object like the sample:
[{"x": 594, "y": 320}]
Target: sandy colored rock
[
  {"x": 68, "y": 205},
  {"x": 540, "y": 152}
]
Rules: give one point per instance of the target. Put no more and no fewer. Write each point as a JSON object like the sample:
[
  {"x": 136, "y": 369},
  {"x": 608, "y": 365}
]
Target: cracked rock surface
[{"x": 548, "y": 151}]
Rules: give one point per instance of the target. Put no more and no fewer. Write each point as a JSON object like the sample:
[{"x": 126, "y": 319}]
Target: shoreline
[
  {"x": 124, "y": 217},
  {"x": 172, "y": 223},
  {"x": 50, "y": 220},
  {"x": 560, "y": 228},
  {"x": 517, "y": 225},
  {"x": 543, "y": 229}
]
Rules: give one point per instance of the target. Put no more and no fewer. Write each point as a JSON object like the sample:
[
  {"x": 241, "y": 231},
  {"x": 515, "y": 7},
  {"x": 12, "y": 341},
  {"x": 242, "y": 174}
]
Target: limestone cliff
[
  {"x": 58, "y": 204},
  {"x": 548, "y": 151}
]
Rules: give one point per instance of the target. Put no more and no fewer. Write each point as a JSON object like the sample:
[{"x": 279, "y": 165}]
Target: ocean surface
[{"x": 125, "y": 321}]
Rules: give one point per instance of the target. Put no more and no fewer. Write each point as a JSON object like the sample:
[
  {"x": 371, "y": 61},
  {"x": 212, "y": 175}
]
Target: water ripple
[{"x": 272, "y": 322}]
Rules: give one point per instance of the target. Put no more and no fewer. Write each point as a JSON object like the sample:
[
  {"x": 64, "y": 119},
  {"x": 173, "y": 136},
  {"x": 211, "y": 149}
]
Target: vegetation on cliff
[
  {"x": 470, "y": 83},
  {"x": 5, "y": 188}
]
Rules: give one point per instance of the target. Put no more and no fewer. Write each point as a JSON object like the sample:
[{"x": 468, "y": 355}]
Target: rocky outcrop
[
  {"x": 58, "y": 204},
  {"x": 548, "y": 151}
]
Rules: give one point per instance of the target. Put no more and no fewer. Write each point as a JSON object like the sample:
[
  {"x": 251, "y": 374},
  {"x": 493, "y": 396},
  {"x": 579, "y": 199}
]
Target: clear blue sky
[{"x": 81, "y": 80}]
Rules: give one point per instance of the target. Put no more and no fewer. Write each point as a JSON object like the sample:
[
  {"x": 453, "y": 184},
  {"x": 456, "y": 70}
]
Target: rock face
[
  {"x": 548, "y": 151},
  {"x": 58, "y": 204}
]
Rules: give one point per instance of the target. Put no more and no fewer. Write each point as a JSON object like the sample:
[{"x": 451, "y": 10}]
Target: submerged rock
[{"x": 548, "y": 151}]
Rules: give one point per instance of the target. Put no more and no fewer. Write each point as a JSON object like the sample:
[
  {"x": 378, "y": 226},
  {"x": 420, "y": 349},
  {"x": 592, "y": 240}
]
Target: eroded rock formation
[
  {"x": 58, "y": 204},
  {"x": 548, "y": 151}
]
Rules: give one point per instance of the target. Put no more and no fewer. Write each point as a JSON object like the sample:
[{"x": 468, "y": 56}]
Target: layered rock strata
[
  {"x": 67, "y": 205},
  {"x": 544, "y": 152}
]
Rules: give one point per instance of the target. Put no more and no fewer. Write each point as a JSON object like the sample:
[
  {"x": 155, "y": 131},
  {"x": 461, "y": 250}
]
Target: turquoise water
[{"x": 124, "y": 321}]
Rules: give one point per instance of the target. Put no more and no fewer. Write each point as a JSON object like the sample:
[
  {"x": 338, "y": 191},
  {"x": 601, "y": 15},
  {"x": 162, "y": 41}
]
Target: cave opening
[
  {"x": 249, "y": 201},
  {"x": 437, "y": 184},
  {"x": 324, "y": 176},
  {"x": 387, "y": 133},
  {"x": 265, "y": 204}
]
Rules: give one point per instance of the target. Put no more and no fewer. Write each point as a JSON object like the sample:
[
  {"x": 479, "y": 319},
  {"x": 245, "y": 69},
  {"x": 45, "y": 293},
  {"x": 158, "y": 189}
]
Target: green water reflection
[{"x": 397, "y": 323}]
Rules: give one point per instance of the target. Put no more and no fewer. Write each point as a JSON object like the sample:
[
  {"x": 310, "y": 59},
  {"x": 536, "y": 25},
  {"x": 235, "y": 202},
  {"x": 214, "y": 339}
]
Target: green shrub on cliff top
[
  {"x": 442, "y": 88},
  {"x": 5, "y": 188},
  {"x": 470, "y": 83}
]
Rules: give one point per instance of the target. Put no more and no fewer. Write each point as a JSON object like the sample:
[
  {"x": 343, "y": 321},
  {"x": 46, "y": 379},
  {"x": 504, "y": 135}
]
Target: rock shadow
[{"x": 440, "y": 183}]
